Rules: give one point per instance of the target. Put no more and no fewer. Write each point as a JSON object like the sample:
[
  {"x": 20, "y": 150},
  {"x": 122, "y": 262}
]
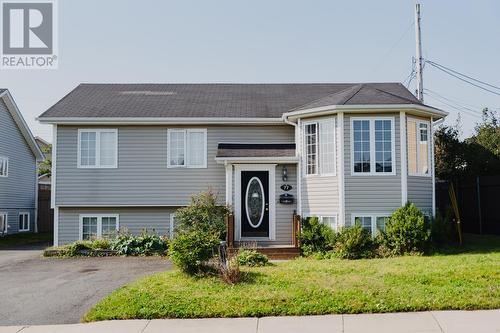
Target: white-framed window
[
  {"x": 98, "y": 225},
  {"x": 171, "y": 229},
  {"x": 331, "y": 220},
  {"x": 187, "y": 148},
  {"x": 4, "y": 166},
  {"x": 419, "y": 149},
  {"x": 98, "y": 148},
  {"x": 4, "y": 223},
  {"x": 372, "y": 146},
  {"x": 374, "y": 223},
  {"x": 319, "y": 147},
  {"x": 24, "y": 221}
]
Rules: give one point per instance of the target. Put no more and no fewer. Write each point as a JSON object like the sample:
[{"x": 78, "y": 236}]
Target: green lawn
[
  {"x": 25, "y": 239},
  {"x": 449, "y": 280}
]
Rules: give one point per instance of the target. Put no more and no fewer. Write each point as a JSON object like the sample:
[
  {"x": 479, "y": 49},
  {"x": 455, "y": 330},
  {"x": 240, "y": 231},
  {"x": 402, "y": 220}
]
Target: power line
[
  {"x": 456, "y": 102},
  {"x": 386, "y": 55},
  {"x": 469, "y": 77},
  {"x": 453, "y": 106},
  {"x": 462, "y": 79}
]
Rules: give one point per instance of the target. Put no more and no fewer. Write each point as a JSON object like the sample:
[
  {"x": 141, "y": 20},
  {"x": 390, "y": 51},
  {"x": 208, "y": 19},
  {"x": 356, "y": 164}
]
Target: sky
[{"x": 266, "y": 41}]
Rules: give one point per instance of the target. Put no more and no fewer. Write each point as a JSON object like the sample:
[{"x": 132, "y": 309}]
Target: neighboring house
[
  {"x": 44, "y": 180},
  {"x": 128, "y": 155},
  {"x": 19, "y": 154}
]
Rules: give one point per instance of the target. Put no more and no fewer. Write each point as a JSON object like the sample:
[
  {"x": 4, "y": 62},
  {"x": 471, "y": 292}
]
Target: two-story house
[
  {"x": 129, "y": 155},
  {"x": 19, "y": 154}
]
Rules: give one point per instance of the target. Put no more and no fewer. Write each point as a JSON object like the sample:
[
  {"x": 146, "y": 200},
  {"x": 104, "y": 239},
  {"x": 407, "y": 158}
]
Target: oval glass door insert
[{"x": 255, "y": 202}]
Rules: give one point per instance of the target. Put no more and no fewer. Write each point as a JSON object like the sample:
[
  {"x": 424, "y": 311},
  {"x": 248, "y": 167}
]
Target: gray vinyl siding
[
  {"x": 284, "y": 212},
  {"x": 17, "y": 191},
  {"x": 142, "y": 176},
  {"x": 371, "y": 193},
  {"x": 320, "y": 193},
  {"x": 420, "y": 192},
  {"x": 133, "y": 219}
]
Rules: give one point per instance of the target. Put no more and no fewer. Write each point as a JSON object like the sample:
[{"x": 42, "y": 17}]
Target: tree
[
  {"x": 449, "y": 153},
  {"x": 45, "y": 167}
]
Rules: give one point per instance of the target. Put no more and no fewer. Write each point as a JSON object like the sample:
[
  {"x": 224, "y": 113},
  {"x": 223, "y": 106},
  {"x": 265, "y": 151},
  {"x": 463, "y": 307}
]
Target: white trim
[
  {"x": 418, "y": 142},
  {"x": 240, "y": 160},
  {"x": 433, "y": 168},
  {"x": 56, "y": 223},
  {"x": 360, "y": 108},
  {"x": 186, "y": 132},
  {"x": 341, "y": 159},
  {"x": 53, "y": 186},
  {"x": 229, "y": 184},
  {"x": 18, "y": 216},
  {"x": 373, "y": 172},
  {"x": 99, "y": 223},
  {"x": 6, "y": 159},
  {"x": 272, "y": 199},
  {"x": 171, "y": 226},
  {"x": 98, "y": 132},
  {"x": 21, "y": 124},
  {"x": 159, "y": 120},
  {"x": 6, "y": 222},
  {"x": 403, "y": 157},
  {"x": 298, "y": 154},
  {"x": 36, "y": 199},
  {"x": 373, "y": 217}
]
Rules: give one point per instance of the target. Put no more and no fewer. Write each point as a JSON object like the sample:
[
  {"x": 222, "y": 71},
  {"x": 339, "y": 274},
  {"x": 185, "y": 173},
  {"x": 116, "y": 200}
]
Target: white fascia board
[
  {"x": 157, "y": 121},
  {"x": 225, "y": 160},
  {"x": 22, "y": 125},
  {"x": 325, "y": 110}
]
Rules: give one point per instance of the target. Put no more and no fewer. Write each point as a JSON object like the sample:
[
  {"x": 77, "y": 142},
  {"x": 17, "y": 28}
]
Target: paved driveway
[{"x": 36, "y": 290}]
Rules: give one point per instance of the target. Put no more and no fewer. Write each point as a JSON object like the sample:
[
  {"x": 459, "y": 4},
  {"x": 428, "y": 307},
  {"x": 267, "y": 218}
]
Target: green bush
[
  {"x": 191, "y": 250},
  {"x": 203, "y": 214},
  {"x": 200, "y": 229},
  {"x": 80, "y": 248},
  {"x": 252, "y": 258},
  {"x": 315, "y": 237},
  {"x": 407, "y": 231},
  {"x": 353, "y": 242},
  {"x": 145, "y": 244}
]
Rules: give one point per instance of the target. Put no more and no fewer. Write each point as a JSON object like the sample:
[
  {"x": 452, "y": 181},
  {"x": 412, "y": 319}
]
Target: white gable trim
[{"x": 21, "y": 124}]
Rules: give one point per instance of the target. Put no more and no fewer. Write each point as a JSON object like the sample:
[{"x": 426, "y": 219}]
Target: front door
[{"x": 254, "y": 204}]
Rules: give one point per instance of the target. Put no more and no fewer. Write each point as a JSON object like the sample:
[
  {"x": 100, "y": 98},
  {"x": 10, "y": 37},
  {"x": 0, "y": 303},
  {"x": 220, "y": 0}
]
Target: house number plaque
[{"x": 286, "y": 187}]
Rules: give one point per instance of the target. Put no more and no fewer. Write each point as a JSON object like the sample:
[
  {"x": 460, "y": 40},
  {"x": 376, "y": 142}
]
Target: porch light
[{"x": 285, "y": 173}]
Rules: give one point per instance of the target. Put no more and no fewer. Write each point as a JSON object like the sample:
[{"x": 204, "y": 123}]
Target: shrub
[
  {"x": 407, "y": 231},
  {"x": 252, "y": 258},
  {"x": 353, "y": 243},
  {"x": 145, "y": 244},
  {"x": 191, "y": 250},
  {"x": 203, "y": 214},
  {"x": 231, "y": 273},
  {"x": 315, "y": 237}
]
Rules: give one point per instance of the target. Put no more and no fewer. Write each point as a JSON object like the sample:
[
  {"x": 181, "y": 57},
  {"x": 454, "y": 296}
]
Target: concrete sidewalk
[{"x": 428, "y": 322}]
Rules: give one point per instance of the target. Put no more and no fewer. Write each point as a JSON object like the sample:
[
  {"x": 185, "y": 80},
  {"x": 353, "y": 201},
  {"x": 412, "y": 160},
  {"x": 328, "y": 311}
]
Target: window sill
[{"x": 419, "y": 175}]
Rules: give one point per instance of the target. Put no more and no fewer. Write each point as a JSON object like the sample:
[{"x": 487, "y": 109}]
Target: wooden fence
[
  {"x": 45, "y": 213},
  {"x": 478, "y": 201}
]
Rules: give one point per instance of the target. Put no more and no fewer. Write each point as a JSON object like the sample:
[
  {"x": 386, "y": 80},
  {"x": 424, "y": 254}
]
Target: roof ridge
[
  {"x": 358, "y": 88},
  {"x": 326, "y": 96},
  {"x": 397, "y": 96}
]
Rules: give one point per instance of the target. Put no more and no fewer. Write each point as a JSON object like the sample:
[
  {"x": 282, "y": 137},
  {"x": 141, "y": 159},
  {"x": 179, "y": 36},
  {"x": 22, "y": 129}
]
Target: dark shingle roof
[
  {"x": 2, "y": 90},
  {"x": 219, "y": 100},
  {"x": 256, "y": 150}
]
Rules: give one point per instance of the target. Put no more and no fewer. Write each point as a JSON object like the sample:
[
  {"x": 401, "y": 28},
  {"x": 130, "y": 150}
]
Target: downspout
[{"x": 299, "y": 164}]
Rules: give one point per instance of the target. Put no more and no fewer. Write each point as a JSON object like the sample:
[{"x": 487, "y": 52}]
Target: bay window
[
  {"x": 373, "y": 223},
  {"x": 373, "y": 150},
  {"x": 319, "y": 147},
  {"x": 97, "y": 148},
  {"x": 187, "y": 148}
]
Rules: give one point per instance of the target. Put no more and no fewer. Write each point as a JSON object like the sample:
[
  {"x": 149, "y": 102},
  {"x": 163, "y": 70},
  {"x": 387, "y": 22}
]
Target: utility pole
[{"x": 420, "y": 60}]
